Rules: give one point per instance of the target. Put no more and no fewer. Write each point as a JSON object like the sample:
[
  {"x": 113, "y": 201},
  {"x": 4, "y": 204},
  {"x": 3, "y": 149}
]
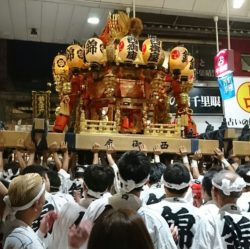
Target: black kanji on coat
[
  {"x": 185, "y": 221},
  {"x": 236, "y": 235}
]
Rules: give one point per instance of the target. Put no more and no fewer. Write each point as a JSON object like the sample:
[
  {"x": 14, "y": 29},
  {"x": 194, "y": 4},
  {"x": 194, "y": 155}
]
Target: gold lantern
[
  {"x": 151, "y": 50},
  {"x": 60, "y": 68},
  {"x": 74, "y": 54},
  {"x": 94, "y": 51},
  {"x": 178, "y": 59},
  {"x": 128, "y": 49}
]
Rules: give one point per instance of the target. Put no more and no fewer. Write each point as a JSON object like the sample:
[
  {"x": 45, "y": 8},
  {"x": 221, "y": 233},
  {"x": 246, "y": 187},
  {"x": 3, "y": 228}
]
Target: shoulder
[
  {"x": 21, "y": 237},
  {"x": 96, "y": 208}
]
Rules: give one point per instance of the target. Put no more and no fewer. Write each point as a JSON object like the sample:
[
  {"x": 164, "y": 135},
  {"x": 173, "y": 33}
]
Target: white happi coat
[
  {"x": 229, "y": 229},
  {"x": 22, "y": 236},
  {"x": 154, "y": 194},
  {"x": 244, "y": 202},
  {"x": 156, "y": 225},
  {"x": 70, "y": 214},
  {"x": 181, "y": 213},
  {"x": 53, "y": 202},
  {"x": 209, "y": 208}
]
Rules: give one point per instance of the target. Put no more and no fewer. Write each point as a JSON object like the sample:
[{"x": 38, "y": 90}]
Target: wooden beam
[
  {"x": 241, "y": 148},
  {"x": 122, "y": 142}
]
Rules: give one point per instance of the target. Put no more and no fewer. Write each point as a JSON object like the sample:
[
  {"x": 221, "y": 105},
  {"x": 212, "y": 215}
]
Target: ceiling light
[
  {"x": 237, "y": 4},
  {"x": 93, "y": 20}
]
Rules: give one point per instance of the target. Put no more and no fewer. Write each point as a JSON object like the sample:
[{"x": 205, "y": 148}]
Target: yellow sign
[{"x": 243, "y": 96}]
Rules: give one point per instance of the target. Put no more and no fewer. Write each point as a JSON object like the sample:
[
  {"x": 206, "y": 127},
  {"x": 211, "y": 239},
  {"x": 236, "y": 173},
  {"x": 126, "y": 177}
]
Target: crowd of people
[{"x": 136, "y": 201}]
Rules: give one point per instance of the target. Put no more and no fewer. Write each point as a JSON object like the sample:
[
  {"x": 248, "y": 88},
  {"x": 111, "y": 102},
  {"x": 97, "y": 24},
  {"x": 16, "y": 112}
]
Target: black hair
[
  {"x": 242, "y": 171},
  {"x": 35, "y": 168},
  {"x": 207, "y": 181},
  {"x": 55, "y": 181},
  {"x": 156, "y": 172},
  {"x": 177, "y": 173},
  {"x": 98, "y": 177},
  {"x": 134, "y": 165}
]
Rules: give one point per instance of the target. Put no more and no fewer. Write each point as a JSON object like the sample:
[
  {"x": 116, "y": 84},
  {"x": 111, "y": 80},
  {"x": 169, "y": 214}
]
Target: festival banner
[{"x": 226, "y": 86}]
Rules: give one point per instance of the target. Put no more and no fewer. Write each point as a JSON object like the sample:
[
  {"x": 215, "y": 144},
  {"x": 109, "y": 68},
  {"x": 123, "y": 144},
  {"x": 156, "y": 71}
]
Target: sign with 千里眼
[{"x": 203, "y": 101}]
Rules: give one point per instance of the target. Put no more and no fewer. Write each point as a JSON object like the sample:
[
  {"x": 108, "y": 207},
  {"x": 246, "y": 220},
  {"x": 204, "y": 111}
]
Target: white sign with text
[{"x": 237, "y": 109}]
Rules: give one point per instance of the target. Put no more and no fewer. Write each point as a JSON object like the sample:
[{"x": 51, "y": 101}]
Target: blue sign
[{"x": 226, "y": 86}]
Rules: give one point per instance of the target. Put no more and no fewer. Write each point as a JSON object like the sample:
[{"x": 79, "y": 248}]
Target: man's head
[
  {"x": 156, "y": 172},
  {"x": 227, "y": 187},
  {"x": 207, "y": 184},
  {"x": 97, "y": 179},
  {"x": 26, "y": 193},
  {"x": 176, "y": 179},
  {"x": 134, "y": 168}
]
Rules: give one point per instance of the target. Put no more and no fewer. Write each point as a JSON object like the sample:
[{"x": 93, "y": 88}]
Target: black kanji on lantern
[
  {"x": 70, "y": 53},
  {"x": 61, "y": 63},
  {"x": 155, "y": 50},
  {"x": 91, "y": 46},
  {"x": 185, "y": 56},
  {"x": 236, "y": 235},
  {"x": 80, "y": 53},
  {"x": 184, "y": 221},
  {"x": 132, "y": 48}
]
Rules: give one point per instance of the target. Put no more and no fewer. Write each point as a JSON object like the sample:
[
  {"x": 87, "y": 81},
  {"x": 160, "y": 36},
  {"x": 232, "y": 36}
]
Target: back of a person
[
  {"x": 157, "y": 228},
  {"x": 229, "y": 228},
  {"x": 70, "y": 214},
  {"x": 208, "y": 208},
  {"x": 23, "y": 237},
  {"x": 154, "y": 194},
  {"x": 182, "y": 214}
]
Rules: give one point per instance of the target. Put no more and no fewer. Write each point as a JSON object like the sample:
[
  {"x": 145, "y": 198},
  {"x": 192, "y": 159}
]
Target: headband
[
  {"x": 129, "y": 185},
  {"x": 94, "y": 193},
  {"x": 176, "y": 186},
  {"x": 11, "y": 209},
  {"x": 227, "y": 187}
]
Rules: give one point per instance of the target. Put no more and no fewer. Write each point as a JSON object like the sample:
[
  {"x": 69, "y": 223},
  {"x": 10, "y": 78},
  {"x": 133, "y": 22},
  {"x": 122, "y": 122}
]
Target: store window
[{"x": 245, "y": 62}]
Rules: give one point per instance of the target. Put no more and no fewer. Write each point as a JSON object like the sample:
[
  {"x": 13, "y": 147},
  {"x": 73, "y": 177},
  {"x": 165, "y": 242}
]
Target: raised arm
[
  {"x": 194, "y": 164},
  {"x": 53, "y": 148},
  {"x": 95, "y": 150},
  {"x": 66, "y": 158},
  {"x": 219, "y": 154},
  {"x": 157, "y": 152}
]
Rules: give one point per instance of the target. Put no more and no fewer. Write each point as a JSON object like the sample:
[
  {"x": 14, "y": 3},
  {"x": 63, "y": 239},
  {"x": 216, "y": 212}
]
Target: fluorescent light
[
  {"x": 93, "y": 20},
  {"x": 237, "y": 4}
]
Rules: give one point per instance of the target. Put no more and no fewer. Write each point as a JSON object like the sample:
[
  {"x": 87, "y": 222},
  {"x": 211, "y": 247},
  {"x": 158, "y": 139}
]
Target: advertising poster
[{"x": 237, "y": 109}]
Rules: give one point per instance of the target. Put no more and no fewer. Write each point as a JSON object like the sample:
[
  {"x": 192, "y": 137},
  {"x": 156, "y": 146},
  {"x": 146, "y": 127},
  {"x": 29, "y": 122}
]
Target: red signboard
[{"x": 224, "y": 62}]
